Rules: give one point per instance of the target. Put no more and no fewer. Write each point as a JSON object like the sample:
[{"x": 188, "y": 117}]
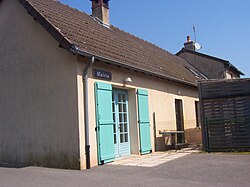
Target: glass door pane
[{"x": 121, "y": 125}]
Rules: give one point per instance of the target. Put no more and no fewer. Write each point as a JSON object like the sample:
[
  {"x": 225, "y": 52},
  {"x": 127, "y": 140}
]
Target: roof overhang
[{"x": 75, "y": 50}]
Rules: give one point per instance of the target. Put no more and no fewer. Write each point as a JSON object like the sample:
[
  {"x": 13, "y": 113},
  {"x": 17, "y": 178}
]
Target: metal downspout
[{"x": 86, "y": 110}]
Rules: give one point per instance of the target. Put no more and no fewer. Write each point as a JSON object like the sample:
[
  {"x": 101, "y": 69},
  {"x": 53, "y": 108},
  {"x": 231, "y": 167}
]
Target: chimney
[
  {"x": 100, "y": 10},
  {"x": 189, "y": 44}
]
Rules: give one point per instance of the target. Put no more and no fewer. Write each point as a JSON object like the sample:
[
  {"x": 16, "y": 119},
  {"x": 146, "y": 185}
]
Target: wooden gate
[{"x": 225, "y": 110}]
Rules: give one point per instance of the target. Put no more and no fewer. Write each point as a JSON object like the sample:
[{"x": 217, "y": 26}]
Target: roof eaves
[
  {"x": 76, "y": 50},
  {"x": 234, "y": 68},
  {"x": 48, "y": 26}
]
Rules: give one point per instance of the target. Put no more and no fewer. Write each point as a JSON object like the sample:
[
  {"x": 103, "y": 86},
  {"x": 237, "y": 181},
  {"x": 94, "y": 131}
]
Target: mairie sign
[{"x": 100, "y": 74}]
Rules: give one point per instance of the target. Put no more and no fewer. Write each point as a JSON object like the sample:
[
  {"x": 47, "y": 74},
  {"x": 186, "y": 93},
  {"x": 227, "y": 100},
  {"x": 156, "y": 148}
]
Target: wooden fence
[{"x": 225, "y": 114}]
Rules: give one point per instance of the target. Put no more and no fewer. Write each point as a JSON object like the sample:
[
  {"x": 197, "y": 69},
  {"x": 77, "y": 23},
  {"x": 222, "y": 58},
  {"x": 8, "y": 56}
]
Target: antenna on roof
[
  {"x": 196, "y": 45},
  {"x": 194, "y": 30}
]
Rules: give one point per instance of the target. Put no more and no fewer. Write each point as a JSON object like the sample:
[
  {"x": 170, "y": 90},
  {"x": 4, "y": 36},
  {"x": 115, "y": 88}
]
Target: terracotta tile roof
[{"x": 70, "y": 26}]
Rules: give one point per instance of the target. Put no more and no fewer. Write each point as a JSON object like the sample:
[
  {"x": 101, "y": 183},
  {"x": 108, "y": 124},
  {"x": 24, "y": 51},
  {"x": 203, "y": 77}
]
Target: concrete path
[{"x": 154, "y": 159}]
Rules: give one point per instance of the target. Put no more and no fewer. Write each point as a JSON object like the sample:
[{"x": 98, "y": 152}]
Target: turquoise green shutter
[
  {"x": 104, "y": 119},
  {"x": 144, "y": 123}
]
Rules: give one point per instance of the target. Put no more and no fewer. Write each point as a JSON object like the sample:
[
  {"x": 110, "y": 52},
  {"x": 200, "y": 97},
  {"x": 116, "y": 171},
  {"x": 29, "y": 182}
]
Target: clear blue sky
[{"x": 223, "y": 26}]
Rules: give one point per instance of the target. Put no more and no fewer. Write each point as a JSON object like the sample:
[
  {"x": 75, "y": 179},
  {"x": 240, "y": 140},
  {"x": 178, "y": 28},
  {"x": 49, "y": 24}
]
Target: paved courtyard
[{"x": 197, "y": 169}]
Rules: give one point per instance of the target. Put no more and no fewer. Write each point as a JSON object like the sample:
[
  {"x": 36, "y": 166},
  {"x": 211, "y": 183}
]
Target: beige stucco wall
[
  {"x": 162, "y": 94},
  {"x": 38, "y": 94}
]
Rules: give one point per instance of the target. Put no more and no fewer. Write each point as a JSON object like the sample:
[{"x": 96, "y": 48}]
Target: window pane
[
  {"x": 115, "y": 138},
  {"x": 125, "y": 117},
  {"x": 121, "y": 128},
  {"x": 124, "y": 107},
  {"x": 114, "y": 127},
  {"x": 126, "y": 137},
  {"x": 114, "y": 117},
  {"x": 120, "y": 117},
  {"x": 125, "y": 128},
  {"x": 121, "y": 138},
  {"x": 120, "y": 107}
]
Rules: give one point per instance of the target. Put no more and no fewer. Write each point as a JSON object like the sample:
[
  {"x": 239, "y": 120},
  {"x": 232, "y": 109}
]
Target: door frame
[
  {"x": 179, "y": 116},
  {"x": 116, "y": 91}
]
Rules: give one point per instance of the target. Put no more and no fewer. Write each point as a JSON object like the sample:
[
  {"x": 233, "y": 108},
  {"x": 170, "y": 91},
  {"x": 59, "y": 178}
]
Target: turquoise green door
[
  {"x": 104, "y": 119},
  {"x": 121, "y": 123},
  {"x": 144, "y": 123}
]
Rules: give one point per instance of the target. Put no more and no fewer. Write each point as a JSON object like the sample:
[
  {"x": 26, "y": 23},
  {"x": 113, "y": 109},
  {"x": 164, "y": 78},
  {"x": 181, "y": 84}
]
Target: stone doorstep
[
  {"x": 153, "y": 159},
  {"x": 131, "y": 164},
  {"x": 148, "y": 162}
]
